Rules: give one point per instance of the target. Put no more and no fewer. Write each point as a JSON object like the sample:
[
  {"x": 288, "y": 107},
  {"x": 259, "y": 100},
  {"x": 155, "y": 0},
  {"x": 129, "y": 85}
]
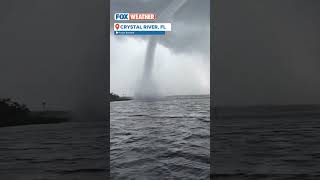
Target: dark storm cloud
[
  {"x": 267, "y": 52},
  {"x": 53, "y": 51},
  {"x": 190, "y": 25}
]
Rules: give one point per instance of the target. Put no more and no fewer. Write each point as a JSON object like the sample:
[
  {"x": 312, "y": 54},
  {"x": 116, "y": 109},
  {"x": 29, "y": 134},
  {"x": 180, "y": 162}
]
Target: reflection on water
[
  {"x": 54, "y": 151},
  {"x": 167, "y": 138}
]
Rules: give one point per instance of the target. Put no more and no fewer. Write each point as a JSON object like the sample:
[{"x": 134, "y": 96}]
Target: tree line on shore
[
  {"x": 12, "y": 110},
  {"x": 13, "y": 113},
  {"x": 115, "y": 97}
]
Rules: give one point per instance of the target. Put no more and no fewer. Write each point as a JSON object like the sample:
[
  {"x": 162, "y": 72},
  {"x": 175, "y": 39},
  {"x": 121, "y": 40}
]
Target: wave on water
[{"x": 167, "y": 138}]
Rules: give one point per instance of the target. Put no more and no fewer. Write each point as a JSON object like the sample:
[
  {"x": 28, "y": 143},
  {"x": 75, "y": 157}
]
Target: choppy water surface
[
  {"x": 168, "y": 138},
  {"x": 267, "y": 147},
  {"x": 54, "y": 151}
]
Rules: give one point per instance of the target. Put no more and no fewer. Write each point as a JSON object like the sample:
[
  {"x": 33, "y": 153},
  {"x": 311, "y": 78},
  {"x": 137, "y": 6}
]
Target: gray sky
[
  {"x": 53, "y": 51},
  {"x": 267, "y": 52},
  {"x": 182, "y": 58}
]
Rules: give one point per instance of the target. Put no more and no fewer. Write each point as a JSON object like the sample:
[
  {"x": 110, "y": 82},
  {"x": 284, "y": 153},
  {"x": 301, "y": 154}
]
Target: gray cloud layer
[
  {"x": 267, "y": 52},
  {"x": 181, "y": 56},
  {"x": 53, "y": 51},
  {"x": 190, "y": 26}
]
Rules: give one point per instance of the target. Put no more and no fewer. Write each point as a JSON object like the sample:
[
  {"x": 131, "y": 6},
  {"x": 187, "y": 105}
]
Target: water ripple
[{"x": 165, "y": 139}]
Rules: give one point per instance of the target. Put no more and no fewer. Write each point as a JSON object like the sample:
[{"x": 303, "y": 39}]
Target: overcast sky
[
  {"x": 53, "y": 51},
  {"x": 182, "y": 57},
  {"x": 267, "y": 52}
]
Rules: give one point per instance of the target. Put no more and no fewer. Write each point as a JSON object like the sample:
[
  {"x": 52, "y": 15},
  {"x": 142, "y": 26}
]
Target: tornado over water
[
  {"x": 147, "y": 87},
  {"x": 149, "y": 61}
]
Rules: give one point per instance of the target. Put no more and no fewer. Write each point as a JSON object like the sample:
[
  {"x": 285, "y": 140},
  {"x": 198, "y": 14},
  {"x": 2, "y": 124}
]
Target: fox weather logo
[
  {"x": 134, "y": 16},
  {"x": 139, "y": 28}
]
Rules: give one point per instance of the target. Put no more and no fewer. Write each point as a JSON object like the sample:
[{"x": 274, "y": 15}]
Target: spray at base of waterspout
[{"x": 147, "y": 90}]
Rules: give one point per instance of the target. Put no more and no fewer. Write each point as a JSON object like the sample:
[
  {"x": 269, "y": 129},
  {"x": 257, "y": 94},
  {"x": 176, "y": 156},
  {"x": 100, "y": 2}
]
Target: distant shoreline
[
  {"x": 114, "y": 97},
  {"x": 39, "y": 117},
  {"x": 121, "y": 99}
]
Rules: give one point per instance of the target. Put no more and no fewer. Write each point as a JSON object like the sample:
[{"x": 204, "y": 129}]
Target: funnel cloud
[
  {"x": 147, "y": 87},
  {"x": 174, "y": 64}
]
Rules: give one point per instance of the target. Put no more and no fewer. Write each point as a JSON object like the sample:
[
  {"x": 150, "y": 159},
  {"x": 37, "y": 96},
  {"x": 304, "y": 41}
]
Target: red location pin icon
[{"x": 117, "y": 26}]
